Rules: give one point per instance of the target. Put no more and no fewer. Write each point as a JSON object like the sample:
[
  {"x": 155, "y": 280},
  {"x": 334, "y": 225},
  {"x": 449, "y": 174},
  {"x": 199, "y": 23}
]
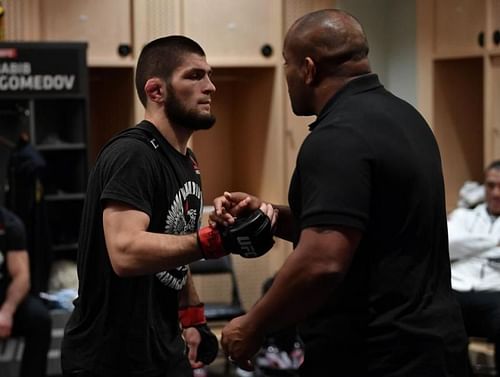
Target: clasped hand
[
  {"x": 240, "y": 340},
  {"x": 229, "y": 206}
]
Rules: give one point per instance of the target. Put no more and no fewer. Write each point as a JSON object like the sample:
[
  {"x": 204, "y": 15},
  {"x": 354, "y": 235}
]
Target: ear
[
  {"x": 155, "y": 89},
  {"x": 309, "y": 71}
]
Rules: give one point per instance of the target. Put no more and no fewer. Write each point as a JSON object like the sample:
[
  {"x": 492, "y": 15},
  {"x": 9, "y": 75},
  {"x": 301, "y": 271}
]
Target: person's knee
[{"x": 36, "y": 319}]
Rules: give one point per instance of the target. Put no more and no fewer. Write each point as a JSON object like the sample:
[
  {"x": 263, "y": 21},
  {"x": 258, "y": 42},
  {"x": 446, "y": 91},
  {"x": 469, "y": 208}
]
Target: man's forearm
[
  {"x": 188, "y": 295},
  {"x": 16, "y": 292},
  {"x": 147, "y": 253},
  {"x": 307, "y": 279},
  {"x": 468, "y": 245},
  {"x": 296, "y": 292}
]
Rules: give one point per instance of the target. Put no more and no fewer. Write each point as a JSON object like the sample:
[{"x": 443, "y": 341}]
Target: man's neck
[
  {"x": 176, "y": 136},
  {"x": 326, "y": 90}
]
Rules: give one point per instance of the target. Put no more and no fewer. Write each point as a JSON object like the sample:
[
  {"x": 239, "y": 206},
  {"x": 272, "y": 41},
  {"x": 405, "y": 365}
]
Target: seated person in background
[
  {"x": 474, "y": 236},
  {"x": 20, "y": 313}
]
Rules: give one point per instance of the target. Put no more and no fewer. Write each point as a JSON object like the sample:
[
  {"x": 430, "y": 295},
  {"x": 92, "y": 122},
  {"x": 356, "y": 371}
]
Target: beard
[{"x": 177, "y": 114}]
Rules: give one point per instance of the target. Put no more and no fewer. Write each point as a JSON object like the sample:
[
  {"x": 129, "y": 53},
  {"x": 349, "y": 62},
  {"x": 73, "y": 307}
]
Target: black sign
[{"x": 43, "y": 68}]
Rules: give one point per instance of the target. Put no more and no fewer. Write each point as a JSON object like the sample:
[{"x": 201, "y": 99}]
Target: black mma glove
[
  {"x": 209, "y": 345},
  {"x": 194, "y": 316},
  {"x": 250, "y": 237}
]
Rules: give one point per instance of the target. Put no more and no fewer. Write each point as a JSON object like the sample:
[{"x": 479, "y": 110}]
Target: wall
[{"x": 390, "y": 26}]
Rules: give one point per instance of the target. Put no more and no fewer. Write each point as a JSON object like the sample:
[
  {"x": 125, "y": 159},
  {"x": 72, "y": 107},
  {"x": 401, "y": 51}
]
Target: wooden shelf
[
  {"x": 61, "y": 147},
  {"x": 227, "y": 62},
  {"x": 458, "y": 54},
  {"x": 65, "y": 197},
  {"x": 109, "y": 62}
]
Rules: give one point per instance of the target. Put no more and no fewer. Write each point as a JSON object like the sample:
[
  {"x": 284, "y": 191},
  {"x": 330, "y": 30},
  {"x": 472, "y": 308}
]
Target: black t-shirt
[
  {"x": 371, "y": 162},
  {"x": 129, "y": 326},
  {"x": 12, "y": 239}
]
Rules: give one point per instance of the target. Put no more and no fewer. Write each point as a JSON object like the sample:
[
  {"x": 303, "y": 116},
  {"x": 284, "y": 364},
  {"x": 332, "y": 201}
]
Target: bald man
[{"x": 369, "y": 279}]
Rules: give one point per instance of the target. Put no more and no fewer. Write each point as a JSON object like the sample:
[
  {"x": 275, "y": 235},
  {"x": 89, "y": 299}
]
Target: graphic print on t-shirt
[
  {"x": 195, "y": 165},
  {"x": 182, "y": 218}
]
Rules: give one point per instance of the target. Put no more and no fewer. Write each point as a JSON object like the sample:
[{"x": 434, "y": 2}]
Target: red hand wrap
[
  {"x": 190, "y": 316},
  {"x": 210, "y": 242}
]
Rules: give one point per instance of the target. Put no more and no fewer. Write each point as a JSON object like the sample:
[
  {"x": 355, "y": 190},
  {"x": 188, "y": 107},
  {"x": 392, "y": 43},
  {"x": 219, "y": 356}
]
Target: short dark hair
[
  {"x": 494, "y": 165},
  {"x": 160, "y": 57}
]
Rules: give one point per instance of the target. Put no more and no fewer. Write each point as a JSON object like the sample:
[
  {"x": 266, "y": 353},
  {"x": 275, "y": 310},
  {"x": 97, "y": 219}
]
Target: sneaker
[
  {"x": 200, "y": 372},
  {"x": 243, "y": 373}
]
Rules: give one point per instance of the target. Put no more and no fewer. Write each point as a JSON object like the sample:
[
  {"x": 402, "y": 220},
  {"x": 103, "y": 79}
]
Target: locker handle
[
  {"x": 496, "y": 37},
  {"x": 266, "y": 50},
  {"x": 480, "y": 38},
  {"x": 124, "y": 49}
]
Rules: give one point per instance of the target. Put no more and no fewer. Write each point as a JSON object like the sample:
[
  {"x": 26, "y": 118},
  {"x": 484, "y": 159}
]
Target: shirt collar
[{"x": 355, "y": 86}]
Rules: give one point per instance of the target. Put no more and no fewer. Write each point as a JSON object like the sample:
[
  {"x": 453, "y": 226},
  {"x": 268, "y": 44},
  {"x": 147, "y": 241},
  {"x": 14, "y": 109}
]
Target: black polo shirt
[{"x": 372, "y": 163}]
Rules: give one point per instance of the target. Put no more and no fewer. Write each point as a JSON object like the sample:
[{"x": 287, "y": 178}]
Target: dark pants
[
  {"x": 81, "y": 373},
  {"x": 84, "y": 373},
  {"x": 181, "y": 369},
  {"x": 481, "y": 313},
  {"x": 32, "y": 322}
]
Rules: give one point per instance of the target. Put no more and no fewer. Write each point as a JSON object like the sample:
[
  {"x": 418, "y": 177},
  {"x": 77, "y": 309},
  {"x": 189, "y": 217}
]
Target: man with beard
[{"x": 140, "y": 229}]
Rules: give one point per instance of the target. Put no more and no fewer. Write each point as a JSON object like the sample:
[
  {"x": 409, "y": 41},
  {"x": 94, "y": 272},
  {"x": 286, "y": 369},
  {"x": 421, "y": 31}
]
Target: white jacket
[{"x": 474, "y": 238}]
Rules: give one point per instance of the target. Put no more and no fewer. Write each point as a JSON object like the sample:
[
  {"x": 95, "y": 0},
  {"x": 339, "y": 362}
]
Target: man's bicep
[
  {"x": 17, "y": 262},
  {"x": 331, "y": 247},
  {"x": 121, "y": 223}
]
